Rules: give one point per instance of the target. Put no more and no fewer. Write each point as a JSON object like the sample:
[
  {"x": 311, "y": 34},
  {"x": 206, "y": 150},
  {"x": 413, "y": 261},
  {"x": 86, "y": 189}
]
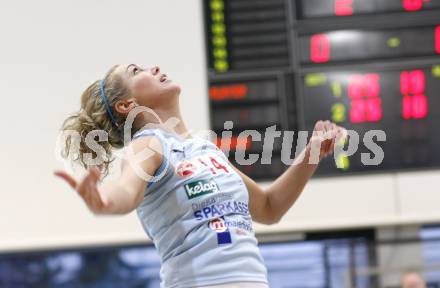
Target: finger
[
  {"x": 95, "y": 200},
  {"x": 344, "y": 133},
  {"x": 332, "y": 147},
  {"x": 340, "y": 138},
  {"x": 332, "y": 128},
  {"x": 95, "y": 196},
  {"x": 333, "y": 138},
  {"x": 101, "y": 202},
  {"x": 318, "y": 143},
  {"x": 318, "y": 127},
  {"x": 96, "y": 173},
  {"x": 324, "y": 127},
  {"x": 89, "y": 199},
  {"x": 69, "y": 179},
  {"x": 84, "y": 186},
  {"x": 327, "y": 126},
  {"x": 335, "y": 127},
  {"x": 323, "y": 147},
  {"x": 328, "y": 137}
]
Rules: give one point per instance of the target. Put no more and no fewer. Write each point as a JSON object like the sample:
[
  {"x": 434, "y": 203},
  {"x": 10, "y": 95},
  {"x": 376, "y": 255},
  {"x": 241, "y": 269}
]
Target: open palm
[{"x": 87, "y": 188}]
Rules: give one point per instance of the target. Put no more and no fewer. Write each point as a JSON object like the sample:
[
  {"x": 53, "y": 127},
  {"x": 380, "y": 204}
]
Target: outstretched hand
[
  {"x": 87, "y": 188},
  {"x": 325, "y": 135}
]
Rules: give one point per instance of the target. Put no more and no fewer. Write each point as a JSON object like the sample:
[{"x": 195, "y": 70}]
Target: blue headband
[{"x": 107, "y": 104}]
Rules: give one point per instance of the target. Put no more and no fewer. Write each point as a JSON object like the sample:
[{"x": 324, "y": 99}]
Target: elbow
[
  {"x": 272, "y": 219},
  {"x": 275, "y": 220},
  {"x": 273, "y": 216},
  {"x": 268, "y": 213},
  {"x": 111, "y": 208}
]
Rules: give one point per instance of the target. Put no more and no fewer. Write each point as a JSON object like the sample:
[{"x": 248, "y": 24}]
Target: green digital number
[{"x": 338, "y": 112}]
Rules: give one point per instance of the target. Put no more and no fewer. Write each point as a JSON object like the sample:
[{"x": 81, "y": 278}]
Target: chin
[
  {"x": 174, "y": 88},
  {"x": 170, "y": 92}
]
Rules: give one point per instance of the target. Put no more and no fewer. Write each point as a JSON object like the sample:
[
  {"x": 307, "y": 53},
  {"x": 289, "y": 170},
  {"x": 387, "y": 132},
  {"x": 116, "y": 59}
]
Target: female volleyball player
[{"x": 199, "y": 211}]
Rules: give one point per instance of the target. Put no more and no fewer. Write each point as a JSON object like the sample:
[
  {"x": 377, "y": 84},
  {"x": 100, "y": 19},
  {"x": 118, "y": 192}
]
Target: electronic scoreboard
[{"x": 363, "y": 64}]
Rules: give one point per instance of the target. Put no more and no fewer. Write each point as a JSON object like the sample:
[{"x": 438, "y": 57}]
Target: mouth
[{"x": 163, "y": 78}]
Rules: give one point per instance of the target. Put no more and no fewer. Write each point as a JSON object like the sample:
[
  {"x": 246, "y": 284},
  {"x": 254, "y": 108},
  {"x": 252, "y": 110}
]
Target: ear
[{"x": 124, "y": 106}]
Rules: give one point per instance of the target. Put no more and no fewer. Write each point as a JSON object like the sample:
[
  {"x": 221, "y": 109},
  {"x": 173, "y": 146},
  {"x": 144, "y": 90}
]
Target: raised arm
[
  {"x": 124, "y": 194},
  {"x": 268, "y": 205}
]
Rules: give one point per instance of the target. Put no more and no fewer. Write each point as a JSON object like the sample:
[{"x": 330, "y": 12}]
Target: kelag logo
[{"x": 200, "y": 187}]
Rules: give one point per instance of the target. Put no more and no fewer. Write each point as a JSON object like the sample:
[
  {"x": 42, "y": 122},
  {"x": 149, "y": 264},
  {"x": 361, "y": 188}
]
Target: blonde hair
[{"x": 93, "y": 116}]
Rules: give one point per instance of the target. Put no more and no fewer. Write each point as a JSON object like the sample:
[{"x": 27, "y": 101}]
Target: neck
[
  {"x": 170, "y": 116},
  {"x": 178, "y": 125}
]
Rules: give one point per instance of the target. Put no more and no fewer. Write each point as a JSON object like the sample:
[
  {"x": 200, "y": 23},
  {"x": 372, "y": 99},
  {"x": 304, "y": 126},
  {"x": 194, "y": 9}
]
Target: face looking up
[{"x": 148, "y": 87}]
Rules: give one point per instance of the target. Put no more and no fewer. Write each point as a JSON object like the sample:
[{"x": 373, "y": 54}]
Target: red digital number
[
  {"x": 364, "y": 86},
  {"x": 414, "y": 102},
  {"x": 364, "y": 92},
  {"x": 437, "y": 39},
  {"x": 343, "y": 7},
  {"x": 319, "y": 48},
  {"x": 407, "y": 107},
  {"x": 357, "y": 111},
  {"x": 371, "y": 85},
  {"x": 238, "y": 91},
  {"x": 412, "y": 5},
  {"x": 355, "y": 87},
  {"x": 412, "y": 82},
  {"x": 414, "y": 107},
  {"x": 420, "y": 106},
  {"x": 366, "y": 110},
  {"x": 374, "y": 109}
]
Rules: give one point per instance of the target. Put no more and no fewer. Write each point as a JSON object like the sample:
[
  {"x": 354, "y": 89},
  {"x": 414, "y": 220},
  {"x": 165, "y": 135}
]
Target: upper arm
[
  {"x": 259, "y": 205},
  {"x": 144, "y": 156}
]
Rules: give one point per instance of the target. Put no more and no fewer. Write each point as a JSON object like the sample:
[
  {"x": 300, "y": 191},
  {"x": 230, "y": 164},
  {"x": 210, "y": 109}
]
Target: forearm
[
  {"x": 121, "y": 198},
  {"x": 287, "y": 188},
  {"x": 269, "y": 205}
]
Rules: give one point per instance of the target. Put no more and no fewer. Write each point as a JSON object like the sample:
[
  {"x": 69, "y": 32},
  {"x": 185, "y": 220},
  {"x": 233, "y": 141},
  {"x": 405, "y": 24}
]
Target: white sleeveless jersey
[{"x": 197, "y": 215}]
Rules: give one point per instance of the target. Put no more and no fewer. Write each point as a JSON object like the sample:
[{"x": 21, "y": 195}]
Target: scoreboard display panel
[
  {"x": 403, "y": 101},
  {"x": 349, "y": 45},
  {"x": 338, "y": 8},
  {"x": 245, "y": 35},
  {"x": 252, "y": 101},
  {"x": 367, "y": 65}
]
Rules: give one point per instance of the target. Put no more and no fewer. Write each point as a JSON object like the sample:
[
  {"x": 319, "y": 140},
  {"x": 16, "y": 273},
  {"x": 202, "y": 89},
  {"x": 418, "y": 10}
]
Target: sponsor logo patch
[
  {"x": 219, "y": 226},
  {"x": 221, "y": 209},
  {"x": 185, "y": 169},
  {"x": 200, "y": 187}
]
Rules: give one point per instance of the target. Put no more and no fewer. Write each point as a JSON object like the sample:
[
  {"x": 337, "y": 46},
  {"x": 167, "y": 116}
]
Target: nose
[{"x": 155, "y": 70}]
